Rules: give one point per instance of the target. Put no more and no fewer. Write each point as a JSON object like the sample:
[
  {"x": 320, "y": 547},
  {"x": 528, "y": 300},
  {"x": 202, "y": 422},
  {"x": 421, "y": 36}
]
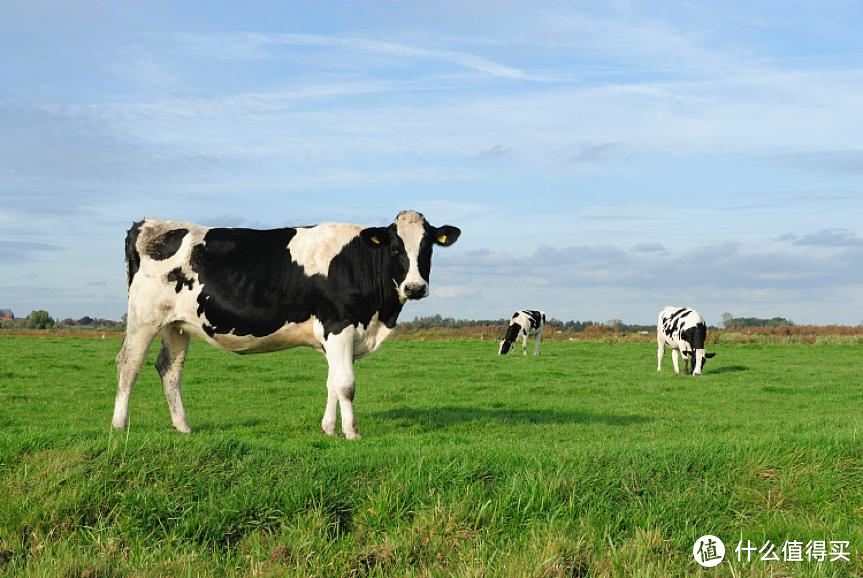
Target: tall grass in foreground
[{"x": 584, "y": 461}]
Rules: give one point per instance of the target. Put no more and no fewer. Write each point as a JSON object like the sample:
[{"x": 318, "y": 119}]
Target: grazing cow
[
  {"x": 523, "y": 324},
  {"x": 336, "y": 287},
  {"x": 682, "y": 329}
]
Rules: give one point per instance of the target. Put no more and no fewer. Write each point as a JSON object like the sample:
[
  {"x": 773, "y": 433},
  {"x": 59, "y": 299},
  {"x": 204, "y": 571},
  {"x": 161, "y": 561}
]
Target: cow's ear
[
  {"x": 709, "y": 355},
  {"x": 376, "y": 236},
  {"x": 446, "y": 235}
]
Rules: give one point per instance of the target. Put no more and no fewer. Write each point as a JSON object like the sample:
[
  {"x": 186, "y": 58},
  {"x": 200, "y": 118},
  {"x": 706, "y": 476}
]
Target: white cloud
[
  {"x": 252, "y": 45},
  {"x": 450, "y": 292}
]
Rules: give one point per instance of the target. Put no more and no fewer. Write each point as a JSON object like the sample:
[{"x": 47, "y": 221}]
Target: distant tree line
[
  {"x": 41, "y": 319},
  {"x": 438, "y": 321},
  {"x": 729, "y": 321}
]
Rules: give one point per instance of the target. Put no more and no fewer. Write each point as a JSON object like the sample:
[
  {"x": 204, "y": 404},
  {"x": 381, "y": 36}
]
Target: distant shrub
[{"x": 40, "y": 319}]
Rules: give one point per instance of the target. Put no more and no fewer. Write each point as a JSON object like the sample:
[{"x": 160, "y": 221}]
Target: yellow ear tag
[
  {"x": 376, "y": 241},
  {"x": 441, "y": 239}
]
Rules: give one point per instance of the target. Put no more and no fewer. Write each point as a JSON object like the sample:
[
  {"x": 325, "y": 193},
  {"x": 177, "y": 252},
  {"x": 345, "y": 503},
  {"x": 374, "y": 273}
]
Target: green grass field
[{"x": 584, "y": 462}]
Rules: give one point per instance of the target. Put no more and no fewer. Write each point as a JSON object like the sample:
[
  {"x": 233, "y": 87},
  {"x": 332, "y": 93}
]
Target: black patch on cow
[
  {"x": 251, "y": 286},
  {"x": 695, "y": 336},
  {"x": 163, "y": 360},
  {"x": 446, "y": 235},
  {"x": 361, "y": 281},
  {"x": 166, "y": 245},
  {"x": 177, "y": 276},
  {"x": 534, "y": 317},
  {"x": 685, "y": 314},
  {"x": 431, "y": 237},
  {"x": 676, "y": 313},
  {"x": 513, "y": 331},
  {"x": 425, "y": 253},
  {"x": 133, "y": 258}
]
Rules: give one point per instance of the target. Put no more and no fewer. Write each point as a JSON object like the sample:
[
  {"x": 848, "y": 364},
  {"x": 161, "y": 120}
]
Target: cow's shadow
[
  {"x": 727, "y": 369},
  {"x": 211, "y": 426},
  {"x": 450, "y": 416}
]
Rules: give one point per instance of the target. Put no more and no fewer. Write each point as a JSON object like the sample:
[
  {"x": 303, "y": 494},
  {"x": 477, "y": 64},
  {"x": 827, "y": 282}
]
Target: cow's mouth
[{"x": 413, "y": 291}]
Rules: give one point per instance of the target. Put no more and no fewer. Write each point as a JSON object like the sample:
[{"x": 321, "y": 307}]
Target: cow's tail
[{"x": 133, "y": 258}]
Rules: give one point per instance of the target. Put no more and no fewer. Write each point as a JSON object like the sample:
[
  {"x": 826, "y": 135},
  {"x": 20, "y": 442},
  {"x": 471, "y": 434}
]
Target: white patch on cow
[
  {"x": 314, "y": 248},
  {"x": 153, "y": 300},
  {"x": 410, "y": 226},
  {"x": 340, "y": 383},
  {"x": 153, "y": 231},
  {"x": 290, "y": 335},
  {"x": 367, "y": 338}
]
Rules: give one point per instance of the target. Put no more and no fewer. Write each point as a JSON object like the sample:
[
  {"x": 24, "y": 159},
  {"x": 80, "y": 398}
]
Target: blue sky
[{"x": 602, "y": 159}]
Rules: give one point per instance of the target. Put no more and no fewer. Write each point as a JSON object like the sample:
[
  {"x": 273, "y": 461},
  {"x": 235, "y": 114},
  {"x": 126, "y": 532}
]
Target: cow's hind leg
[
  {"x": 340, "y": 384},
  {"x": 136, "y": 344},
  {"x": 674, "y": 360},
  {"x": 169, "y": 364}
]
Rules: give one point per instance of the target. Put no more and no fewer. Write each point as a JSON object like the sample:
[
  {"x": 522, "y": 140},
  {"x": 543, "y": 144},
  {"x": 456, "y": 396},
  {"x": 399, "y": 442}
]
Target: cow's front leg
[
  {"x": 340, "y": 383},
  {"x": 674, "y": 361},
  {"x": 538, "y": 343},
  {"x": 660, "y": 351},
  {"x": 524, "y": 343}
]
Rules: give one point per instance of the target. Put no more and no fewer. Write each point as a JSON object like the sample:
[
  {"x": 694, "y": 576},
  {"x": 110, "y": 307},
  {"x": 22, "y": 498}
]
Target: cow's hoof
[
  {"x": 352, "y": 435},
  {"x": 183, "y": 428},
  {"x": 329, "y": 430},
  {"x": 118, "y": 425}
]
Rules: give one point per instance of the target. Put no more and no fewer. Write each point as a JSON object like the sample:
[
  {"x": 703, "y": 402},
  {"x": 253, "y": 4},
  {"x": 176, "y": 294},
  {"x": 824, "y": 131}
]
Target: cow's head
[
  {"x": 698, "y": 359},
  {"x": 410, "y": 240},
  {"x": 509, "y": 338}
]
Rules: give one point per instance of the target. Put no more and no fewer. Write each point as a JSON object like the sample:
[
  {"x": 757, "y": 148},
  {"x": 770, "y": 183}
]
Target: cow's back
[{"x": 673, "y": 321}]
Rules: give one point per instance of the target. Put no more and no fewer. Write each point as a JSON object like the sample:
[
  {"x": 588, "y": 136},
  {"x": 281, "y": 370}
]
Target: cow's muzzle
[{"x": 416, "y": 290}]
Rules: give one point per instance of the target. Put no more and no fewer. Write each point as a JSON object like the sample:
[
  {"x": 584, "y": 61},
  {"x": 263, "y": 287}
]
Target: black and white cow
[
  {"x": 523, "y": 324},
  {"x": 336, "y": 287},
  {"x": 682, "y": 329}
]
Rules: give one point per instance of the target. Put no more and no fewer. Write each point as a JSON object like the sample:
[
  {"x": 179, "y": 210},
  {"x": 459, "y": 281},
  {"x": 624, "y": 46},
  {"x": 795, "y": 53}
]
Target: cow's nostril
[{"x": 415, "y": 290}]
